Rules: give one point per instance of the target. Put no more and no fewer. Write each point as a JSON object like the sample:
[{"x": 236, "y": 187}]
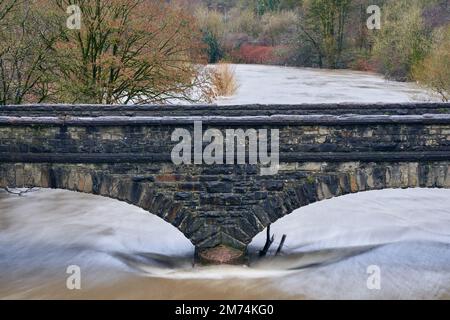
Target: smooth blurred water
[{"x": 127, "y": 253}]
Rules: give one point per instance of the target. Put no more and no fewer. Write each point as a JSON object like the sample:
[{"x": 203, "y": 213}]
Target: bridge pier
[{"x": 221, "y": 254}]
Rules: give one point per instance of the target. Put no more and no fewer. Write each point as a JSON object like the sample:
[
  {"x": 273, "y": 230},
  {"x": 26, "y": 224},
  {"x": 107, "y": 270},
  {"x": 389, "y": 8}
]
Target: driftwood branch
[
  {"x": 269, "y": 242},
  {"x": 280, "y": 247},
  {"x": 18, "y": 192}
]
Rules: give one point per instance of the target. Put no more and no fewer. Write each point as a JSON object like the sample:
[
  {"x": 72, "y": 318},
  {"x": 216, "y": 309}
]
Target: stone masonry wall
[{"x": 128, "y": 158}]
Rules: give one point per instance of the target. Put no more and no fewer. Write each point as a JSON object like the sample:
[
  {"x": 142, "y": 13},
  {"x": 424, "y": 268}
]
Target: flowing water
[
  {"x": 124, "y": 252},
  {"x": 331, "y": 250},
  {"x": 287, "y": 85}
]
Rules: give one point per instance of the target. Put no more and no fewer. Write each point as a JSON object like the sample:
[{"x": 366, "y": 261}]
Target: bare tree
[
  {"x": 129, "y": 51},
  {"x": 25, "y": 53},
  {"x": 324, "y": 27},
  {"x": 6, "y": 6}
]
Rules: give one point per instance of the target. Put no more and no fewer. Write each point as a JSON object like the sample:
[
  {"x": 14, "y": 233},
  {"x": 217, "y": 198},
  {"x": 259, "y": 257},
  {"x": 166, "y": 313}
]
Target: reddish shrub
[
  {"x": 248, "y": 53},
  {"x": 363, "y": 64}
]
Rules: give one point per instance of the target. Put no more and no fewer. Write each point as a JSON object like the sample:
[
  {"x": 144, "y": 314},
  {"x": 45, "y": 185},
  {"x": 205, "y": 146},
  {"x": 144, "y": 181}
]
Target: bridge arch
[
  {"x": 327, "y": 181},
  {"x": 134, "y": 190}
]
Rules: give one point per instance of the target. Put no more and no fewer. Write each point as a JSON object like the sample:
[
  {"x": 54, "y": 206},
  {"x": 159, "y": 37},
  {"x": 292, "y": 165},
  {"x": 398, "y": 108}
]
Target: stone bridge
[{"x": 124, "y": 152}]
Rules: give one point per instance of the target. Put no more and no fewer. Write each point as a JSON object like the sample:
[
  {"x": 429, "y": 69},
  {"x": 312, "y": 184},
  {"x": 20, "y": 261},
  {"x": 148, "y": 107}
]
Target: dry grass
[{"x": 223, "y": 80}]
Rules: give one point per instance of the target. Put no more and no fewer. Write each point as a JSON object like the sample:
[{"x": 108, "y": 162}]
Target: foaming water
[
  {"x": 288, "y": 85},
  {"x": 125, "y": 252}
]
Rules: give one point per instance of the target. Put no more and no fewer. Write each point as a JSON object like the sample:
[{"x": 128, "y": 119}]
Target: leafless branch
[{"x": 19, "y": 192}]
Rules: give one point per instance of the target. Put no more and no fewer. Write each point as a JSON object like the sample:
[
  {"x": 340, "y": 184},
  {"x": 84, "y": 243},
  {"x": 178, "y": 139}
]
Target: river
[
  {"x": 331, "y": 251},
  {"x": 288, "y": 85}
]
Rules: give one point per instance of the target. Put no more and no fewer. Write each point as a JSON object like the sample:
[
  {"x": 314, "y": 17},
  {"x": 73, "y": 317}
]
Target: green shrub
[
  {"x": 402, "y": 41},
  {"x": 434, "y": 71}
]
